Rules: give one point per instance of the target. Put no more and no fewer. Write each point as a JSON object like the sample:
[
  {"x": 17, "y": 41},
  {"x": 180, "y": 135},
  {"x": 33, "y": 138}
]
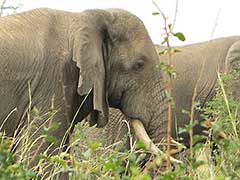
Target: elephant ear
[{"x": 89, "y": 49}]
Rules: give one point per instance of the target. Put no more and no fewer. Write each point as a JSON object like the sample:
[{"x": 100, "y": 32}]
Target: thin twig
[
  {"x": 175, "y": 15},
  {"x": 168, "y": 30}
]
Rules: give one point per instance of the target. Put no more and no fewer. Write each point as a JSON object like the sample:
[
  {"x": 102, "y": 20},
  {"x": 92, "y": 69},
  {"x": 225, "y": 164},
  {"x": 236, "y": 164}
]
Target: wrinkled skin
[
  {"x": 116, "y": 131},
  {"x": 61, "y": 61},
  {"x": 222, "y": 55}
]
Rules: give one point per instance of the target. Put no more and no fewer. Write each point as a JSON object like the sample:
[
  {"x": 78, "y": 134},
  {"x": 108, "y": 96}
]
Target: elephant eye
[{"x": 139, "y": 65}]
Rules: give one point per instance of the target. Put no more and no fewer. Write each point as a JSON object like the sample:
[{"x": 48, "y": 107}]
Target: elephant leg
[{"x": 115, "y": 131}]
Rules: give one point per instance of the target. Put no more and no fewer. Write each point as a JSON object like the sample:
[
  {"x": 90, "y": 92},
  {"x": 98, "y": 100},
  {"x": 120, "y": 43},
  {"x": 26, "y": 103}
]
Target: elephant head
[{"x": 117, "y": 60}]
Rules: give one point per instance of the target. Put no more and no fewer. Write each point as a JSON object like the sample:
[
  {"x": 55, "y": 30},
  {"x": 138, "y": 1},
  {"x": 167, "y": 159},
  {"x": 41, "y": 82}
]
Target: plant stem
[
  {"x": 168, "y": 30},
  {"x": 169, "y": 88}
]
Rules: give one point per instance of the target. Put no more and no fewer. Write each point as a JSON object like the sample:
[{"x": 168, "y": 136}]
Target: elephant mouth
[{"x": 142, "y": 135}]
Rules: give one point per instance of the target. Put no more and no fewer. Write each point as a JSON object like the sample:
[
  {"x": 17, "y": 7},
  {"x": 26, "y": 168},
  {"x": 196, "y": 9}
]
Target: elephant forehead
[
  {"x": 134, "y": 51},
  {"x": 123, "y": 15},
  {"x": 129, "y": 27},
  {"x": 133, "y": 47},
  {"x": 132, "y": 31}
]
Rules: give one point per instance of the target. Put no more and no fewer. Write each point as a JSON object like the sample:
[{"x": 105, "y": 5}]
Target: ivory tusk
[{"x": 142, "y": 135}]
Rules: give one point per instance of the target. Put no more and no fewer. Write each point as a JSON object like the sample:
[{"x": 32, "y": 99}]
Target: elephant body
[
  {"x": 195, "y": 64},
  {"x": 26, "y": 63},
  {"x": 57, "y": 67}
]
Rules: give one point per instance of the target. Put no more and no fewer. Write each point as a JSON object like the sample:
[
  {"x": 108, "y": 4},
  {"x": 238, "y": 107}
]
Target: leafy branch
[{"x": 168, "y": 32}]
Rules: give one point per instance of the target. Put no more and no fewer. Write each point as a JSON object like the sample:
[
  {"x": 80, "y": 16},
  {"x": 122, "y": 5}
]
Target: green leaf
[
  {"x": 174, "y": 74},
  {"x": 58, "y": 160},
  {"x": 159, "y": 161},
  {"x": 155, "y": 13},
  {"x": 162, "y": 52},
  {"x": 196, "y": 164},
  {"x": 163, "y": 66},
  {"x": 95, "y": 145},
  {"x": 180, "y": 36},
  {"x": 51, "y": 128},
  {"x": 50, "y": 138},
  {"x": 140, "y": 145},
  {"x": 169, "y": 26},
  {"x": 141, "y": 157},
  {"x": 176, "y": 50},
  {"x": 31, "y": 174},
  {"x": 218, "y": 178},
  {"x": 146, "y": 177},
  {"x": 164, "y": 41}
]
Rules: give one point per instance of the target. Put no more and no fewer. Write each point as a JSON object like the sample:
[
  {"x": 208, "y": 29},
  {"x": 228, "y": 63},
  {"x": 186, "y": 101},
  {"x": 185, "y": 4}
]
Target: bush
[
  {"x": 10, "y": 168},
  {"x": 225, "y": 127}
]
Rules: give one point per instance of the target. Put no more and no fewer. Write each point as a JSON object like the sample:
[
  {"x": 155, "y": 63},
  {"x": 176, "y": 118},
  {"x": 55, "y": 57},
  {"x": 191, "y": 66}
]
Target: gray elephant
[
  {"x": 75, "y": 64},
  {"x": 196, "y": 64}
]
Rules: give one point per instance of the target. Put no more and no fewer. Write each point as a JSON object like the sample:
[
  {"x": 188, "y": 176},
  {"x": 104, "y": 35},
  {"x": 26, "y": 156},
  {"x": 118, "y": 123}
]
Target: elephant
[
  {"x": 196, "y": 65},
  {"x": 58, "y": 67}
]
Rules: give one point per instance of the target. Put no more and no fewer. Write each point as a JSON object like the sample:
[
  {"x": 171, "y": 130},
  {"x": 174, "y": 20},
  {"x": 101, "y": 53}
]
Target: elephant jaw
[{"x": 142, "y": 135}]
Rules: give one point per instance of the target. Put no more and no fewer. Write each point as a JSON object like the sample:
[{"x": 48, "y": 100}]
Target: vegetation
[{"x": 90, "y": 160}]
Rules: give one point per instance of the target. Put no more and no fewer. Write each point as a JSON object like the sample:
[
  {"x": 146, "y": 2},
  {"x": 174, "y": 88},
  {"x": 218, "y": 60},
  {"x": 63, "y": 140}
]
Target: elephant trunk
[
  {"x": 158, "y": 103},
  {"x": 149, "y": 104}
]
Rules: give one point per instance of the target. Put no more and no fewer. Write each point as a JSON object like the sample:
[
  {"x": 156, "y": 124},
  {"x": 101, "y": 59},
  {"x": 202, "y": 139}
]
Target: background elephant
[
  {"x": 197, "y": 66},
  {"x": 75, "y": 64},
  {"x": 219, "y": 55}
]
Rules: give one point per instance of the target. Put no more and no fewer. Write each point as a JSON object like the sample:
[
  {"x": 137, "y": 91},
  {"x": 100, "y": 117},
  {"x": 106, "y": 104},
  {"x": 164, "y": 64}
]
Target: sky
[{"x": 198, "y": 20}]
